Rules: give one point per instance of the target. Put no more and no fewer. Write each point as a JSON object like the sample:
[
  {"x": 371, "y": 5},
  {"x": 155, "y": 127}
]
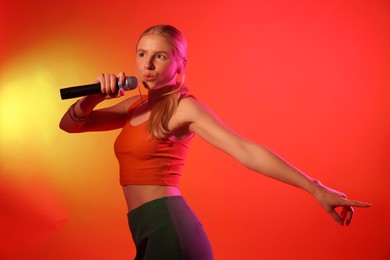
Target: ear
[{"x": 183, "y": 66}]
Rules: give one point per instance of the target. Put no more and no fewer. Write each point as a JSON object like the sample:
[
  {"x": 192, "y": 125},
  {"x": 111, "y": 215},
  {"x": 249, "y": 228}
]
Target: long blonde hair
[{"x": 166, "y": 106}]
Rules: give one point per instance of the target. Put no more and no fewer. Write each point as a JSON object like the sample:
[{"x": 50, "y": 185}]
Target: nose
[{"x": 149, "y": 65}]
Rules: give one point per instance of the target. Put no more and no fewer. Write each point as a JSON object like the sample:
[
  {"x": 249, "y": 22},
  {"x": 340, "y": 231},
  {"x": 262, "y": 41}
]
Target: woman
[{"x": 152, "y": 148}]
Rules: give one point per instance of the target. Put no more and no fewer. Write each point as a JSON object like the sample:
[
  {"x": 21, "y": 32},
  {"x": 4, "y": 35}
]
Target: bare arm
[
  {"x": 81, "y": 116},
  {"x": 262, "y": 160}
]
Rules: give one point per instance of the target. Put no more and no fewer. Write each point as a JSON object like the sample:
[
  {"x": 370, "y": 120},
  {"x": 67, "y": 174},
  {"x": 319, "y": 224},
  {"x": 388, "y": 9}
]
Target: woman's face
[{"x": 155, "y": 62}]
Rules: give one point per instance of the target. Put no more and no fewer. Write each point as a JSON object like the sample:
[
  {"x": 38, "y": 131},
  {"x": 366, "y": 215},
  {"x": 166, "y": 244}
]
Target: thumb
[{"x": 121, "y": 92}]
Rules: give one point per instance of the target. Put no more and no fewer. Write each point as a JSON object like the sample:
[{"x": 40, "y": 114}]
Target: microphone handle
[{"x": 80, "y": 91}]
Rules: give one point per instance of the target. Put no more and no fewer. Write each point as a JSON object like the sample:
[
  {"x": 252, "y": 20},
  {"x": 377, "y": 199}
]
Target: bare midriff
[{"x": 136, "y": 195}]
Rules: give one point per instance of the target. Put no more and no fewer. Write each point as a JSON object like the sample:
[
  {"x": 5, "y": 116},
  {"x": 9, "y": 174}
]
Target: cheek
[
  {"x": 171, "y": 68},
  {"x": 138, "y": 68},
  {"x": 170, "y": 72}
]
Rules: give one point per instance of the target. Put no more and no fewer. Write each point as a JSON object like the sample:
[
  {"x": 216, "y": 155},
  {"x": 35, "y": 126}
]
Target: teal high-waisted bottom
[{"x": 167, "y": 228}]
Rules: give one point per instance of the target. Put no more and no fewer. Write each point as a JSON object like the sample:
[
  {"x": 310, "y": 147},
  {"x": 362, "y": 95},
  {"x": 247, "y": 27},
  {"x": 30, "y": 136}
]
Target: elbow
[
  {"x": 68, "y": 125},
  {"x": 247, "y": 155},
  {"x": 241, "y": 153},
  {"x": 64, "y": 128},
  {"x": 68, "y": 128}
]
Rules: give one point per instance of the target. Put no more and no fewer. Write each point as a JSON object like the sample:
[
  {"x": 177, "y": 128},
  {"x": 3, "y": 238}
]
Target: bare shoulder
[
  {"x": 203, "y": 122},
  {"x": 194, "y": 113},
  {"x": 189, "y": 108}
]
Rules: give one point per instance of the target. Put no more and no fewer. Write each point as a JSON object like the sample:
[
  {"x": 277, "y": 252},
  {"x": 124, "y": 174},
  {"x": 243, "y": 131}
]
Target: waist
[{"x": 137, "y": 195}]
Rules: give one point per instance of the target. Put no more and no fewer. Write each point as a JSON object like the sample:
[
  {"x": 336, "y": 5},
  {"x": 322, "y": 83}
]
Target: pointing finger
[{"x": 354, "y": 203}]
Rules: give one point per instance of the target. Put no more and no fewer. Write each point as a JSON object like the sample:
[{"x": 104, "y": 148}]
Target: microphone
[{"x": 79, "y": 91}]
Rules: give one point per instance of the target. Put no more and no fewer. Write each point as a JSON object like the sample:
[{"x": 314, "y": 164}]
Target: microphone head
[{"x": 131, "y": 83}]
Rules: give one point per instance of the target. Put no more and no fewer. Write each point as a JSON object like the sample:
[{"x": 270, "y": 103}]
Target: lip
[{"x": 149, "y": 77}]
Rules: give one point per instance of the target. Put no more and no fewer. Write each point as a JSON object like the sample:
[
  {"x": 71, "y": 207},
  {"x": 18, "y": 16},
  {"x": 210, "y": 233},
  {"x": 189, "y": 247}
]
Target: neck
[{"x": 154, "y": 95}]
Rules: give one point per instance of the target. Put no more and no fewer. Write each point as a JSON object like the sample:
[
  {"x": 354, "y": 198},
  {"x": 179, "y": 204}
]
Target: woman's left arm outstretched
[{"x": 260, "y": 159}]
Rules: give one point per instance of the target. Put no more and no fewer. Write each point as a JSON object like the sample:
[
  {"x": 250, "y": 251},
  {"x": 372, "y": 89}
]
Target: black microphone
[{"x": 79, "y": 91}]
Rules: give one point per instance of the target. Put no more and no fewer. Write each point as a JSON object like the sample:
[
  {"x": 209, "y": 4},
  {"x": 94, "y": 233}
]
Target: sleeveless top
[{"x": 145, "y": 160}]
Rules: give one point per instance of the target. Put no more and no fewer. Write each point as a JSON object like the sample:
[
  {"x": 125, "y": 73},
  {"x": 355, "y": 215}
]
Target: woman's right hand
[{"x": 109, "y": 84}]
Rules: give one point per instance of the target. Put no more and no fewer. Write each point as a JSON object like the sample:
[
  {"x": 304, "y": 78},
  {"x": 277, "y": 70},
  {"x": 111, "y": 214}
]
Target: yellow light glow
[{"x": 30, "y": 108}]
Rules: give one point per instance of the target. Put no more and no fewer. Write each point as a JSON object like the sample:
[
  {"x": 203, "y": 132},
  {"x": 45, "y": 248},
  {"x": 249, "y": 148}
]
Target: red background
[{"x": 308, "y": 79}]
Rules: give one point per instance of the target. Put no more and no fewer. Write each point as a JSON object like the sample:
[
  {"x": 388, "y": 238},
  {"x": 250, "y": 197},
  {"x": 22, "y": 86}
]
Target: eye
[
  {"x": 161, "y": 56},
  {"x": 141, "y": 54}
]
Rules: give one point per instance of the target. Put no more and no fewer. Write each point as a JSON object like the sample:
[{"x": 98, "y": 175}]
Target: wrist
[
  {"x": 75, "y": 116},
  {"x": 82, "y": 108},
  {"x": 314, "y": 187}
]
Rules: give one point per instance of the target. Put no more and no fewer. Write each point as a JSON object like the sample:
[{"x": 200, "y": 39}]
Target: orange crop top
[{"x": 144, "y": 160}]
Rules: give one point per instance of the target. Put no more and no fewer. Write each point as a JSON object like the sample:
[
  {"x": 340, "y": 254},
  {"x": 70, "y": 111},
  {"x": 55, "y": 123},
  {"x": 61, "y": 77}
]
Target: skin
[{"x": 158, "y": 68}]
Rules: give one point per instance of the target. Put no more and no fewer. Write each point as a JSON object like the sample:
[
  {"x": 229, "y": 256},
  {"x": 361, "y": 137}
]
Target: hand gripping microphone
[{"x": 79, "y": 91}]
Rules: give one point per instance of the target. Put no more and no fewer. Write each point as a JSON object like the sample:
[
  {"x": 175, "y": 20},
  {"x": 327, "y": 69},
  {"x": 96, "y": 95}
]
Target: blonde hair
[{"x": 166, "y": 106}]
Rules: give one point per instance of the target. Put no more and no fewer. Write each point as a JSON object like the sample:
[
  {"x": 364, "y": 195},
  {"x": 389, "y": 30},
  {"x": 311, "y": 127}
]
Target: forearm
[
  {"x": 264, "y": 161},
  {"x": 76, "y": 115}
]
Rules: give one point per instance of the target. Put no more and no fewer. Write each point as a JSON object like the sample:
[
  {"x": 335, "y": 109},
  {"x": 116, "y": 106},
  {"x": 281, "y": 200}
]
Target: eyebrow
[{"x": 164, "y": 52}]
